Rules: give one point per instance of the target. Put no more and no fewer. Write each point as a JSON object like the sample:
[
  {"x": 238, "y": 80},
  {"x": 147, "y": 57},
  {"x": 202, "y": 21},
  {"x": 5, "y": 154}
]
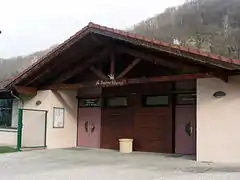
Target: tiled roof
[
  {"x": 4, "y": 83},
  {"x": 91, "y": 26}
]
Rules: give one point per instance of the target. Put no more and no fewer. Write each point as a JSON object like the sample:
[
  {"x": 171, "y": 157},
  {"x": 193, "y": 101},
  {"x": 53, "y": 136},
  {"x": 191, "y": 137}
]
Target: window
[
  {"x": 6, "y": 112},
  {"x": 116, "y": 102},
  {"x": 155, "y": 101},
  {"x": 186, "y": 99}
]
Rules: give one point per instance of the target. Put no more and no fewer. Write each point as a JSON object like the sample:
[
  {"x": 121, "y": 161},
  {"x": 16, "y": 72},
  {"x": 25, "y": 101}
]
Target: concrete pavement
[{"x": 75, "y": 164}]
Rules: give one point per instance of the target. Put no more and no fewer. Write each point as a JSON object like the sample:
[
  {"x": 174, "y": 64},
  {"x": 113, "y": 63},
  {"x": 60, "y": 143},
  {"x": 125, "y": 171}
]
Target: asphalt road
[{"x": 75, "y": 164}]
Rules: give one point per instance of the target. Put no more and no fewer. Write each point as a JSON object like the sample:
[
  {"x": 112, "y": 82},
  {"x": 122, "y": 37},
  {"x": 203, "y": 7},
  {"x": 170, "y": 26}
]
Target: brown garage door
[
  {"x": 117, "y": 122},
  {"x": 153, "y": 130},
  {"x": 153, "y": 124},
  {"x": 150, "y": 126}
]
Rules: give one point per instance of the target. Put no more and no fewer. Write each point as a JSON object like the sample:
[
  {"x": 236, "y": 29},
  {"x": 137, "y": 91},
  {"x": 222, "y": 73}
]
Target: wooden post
[{"x": 112, "y": 65}]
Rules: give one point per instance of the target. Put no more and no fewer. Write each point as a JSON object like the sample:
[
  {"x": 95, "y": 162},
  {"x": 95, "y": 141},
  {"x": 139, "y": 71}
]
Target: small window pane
[
  {"x": 5, "y": 112},
  {"x": 156, "y": 101},
  {"x": 116, "y": 102}
]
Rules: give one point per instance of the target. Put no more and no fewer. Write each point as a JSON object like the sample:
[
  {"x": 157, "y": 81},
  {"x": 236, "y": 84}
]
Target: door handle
[
  {"x": 92, "y": 128},
  {"x": 188, "y": 129},
  {"x": 86, "y": 126},
  {"x": 191, "y": 129}
]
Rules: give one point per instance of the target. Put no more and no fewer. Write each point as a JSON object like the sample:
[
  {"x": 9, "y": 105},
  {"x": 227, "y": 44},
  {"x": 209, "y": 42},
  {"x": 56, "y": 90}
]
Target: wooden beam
[
  {"x": 125, "y": 82},
  {"x": 62, "y": 86},
  {"x": 221, "y": 75},
  {"x": 180, "y": 77},
  {"x": 224, "y": 78},
  {"x": 149, "y": 57},
  {"x": 112, "y": 65},
  {"x": 54, "y": 65},
  {"x": 99, "y": 73},
  {"x": 129, "y": 68},
  {"x": 80, "y": 68},
  {"x": 29, "y": 91},
  {"x": 174, "y": 64}
]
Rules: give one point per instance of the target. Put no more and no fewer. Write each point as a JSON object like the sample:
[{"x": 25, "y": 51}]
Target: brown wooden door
[
  {"x": 89, "y": 127},
  {"x": 185, "y": 125},
  {"x": 153, "y": 129}
]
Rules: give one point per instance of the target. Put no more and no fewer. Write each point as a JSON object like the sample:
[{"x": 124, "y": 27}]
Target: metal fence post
[{"x": 19, "y": 135}]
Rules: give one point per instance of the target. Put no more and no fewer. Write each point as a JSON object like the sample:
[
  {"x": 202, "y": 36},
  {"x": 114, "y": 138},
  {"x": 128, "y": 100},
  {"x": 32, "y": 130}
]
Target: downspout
[{"x": 18, "y": 98}]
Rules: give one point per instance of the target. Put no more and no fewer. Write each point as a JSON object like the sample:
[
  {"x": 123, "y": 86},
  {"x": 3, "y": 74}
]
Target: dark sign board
[{"x": 91, "y": 102}]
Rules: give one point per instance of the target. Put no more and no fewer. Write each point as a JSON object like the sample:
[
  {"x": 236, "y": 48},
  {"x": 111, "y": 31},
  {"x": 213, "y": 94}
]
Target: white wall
[
  {"x": 8, "y": 137},
  {"x": 218, "y": 120},
  {"x": 58, "y": 137}
]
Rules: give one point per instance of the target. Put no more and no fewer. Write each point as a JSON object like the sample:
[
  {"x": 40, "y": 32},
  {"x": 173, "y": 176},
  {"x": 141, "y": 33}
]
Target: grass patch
[{"x": 7, "y": 149}]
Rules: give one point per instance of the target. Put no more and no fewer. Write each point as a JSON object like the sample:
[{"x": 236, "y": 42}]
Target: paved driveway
[{"x": 81, "y": 164}]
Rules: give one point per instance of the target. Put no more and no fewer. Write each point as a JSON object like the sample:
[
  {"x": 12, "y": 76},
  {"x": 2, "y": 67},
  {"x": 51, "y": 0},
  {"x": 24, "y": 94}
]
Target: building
[{"x": 103, "y": 84}]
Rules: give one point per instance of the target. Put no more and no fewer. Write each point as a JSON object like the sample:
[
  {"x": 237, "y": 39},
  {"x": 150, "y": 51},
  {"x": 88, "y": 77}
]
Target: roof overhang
[
  {"x": 94, "y": 37},
  {"x": 6, "y": 94}
]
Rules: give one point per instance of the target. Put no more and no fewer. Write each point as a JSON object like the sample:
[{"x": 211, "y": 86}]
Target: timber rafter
[
  {"x": 29, "y": 91},
  {"x": 128, "y": 69},
  {"x": 156, "y": 60},
  {"x": 99, "y": 73},
  {"x": 82, "y": 67}
]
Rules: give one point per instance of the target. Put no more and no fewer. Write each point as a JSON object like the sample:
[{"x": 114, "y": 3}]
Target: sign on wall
[
  {"x": 93, "y": 102},
  {"x": 58, "y": 117},
  {"x": 111, "y": 82}
]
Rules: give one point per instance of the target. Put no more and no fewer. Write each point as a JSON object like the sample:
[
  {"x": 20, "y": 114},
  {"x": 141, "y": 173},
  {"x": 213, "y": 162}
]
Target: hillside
[
  {"x": 11, "y": 67},
  {"x": 209, "y": 25}
]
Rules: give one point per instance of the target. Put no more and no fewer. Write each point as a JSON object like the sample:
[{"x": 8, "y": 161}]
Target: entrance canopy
[{"x": 102, "y": 56}]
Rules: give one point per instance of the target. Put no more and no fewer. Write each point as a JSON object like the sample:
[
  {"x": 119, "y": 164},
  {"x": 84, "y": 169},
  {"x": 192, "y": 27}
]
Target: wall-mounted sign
[
  {"x": 93, "y": 102},
  {"x": 58, "y": 117},
  {"x": 109, "y": 83}
]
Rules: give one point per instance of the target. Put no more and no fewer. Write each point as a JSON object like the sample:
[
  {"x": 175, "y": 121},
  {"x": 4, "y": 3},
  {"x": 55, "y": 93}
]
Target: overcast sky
[{"x": 32, "y": 25}]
